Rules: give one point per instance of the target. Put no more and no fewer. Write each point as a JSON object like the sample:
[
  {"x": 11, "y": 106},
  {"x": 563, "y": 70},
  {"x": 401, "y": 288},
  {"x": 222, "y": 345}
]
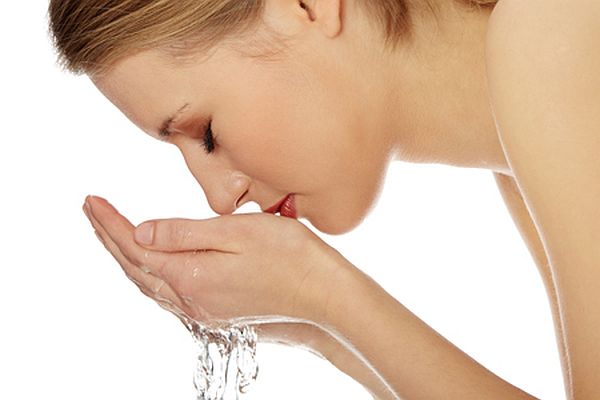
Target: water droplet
[
  {"x": 158, "y": 287},
  {"x": 196, "y": 272}
]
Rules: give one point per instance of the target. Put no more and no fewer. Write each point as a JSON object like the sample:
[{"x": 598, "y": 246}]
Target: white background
[{"x": 72, "y": 326}]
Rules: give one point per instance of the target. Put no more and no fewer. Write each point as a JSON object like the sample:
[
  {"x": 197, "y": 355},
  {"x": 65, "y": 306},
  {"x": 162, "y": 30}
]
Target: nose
[
  {"x": 225, "y": 188},
  {"x": 227, "y": 197}
]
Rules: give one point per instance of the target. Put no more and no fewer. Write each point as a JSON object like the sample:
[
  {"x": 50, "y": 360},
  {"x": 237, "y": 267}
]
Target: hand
[{"x": 230, "y": 267}]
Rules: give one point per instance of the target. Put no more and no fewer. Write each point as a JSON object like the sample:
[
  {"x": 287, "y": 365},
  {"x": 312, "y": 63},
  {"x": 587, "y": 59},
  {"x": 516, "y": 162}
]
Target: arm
[
  {"x": 543, "y": 59},
  {"x": 522, "y": 219},
  {"x": 316, "y": 341},
  {"x": 414, "y": 360}
]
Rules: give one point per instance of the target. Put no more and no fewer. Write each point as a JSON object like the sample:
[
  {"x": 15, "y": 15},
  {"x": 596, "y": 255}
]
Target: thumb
[
  {"x": 144, "y": 233},
  {"x": 178, "y": 234}
]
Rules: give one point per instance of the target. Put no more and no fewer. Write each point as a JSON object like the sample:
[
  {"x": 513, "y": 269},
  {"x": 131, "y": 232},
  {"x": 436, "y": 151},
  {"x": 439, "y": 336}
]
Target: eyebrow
[{"x": 165, "y": 127}]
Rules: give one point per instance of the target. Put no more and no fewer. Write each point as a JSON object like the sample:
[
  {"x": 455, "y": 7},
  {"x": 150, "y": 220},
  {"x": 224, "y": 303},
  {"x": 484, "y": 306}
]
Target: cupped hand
[{"x": 228, "y": 268}]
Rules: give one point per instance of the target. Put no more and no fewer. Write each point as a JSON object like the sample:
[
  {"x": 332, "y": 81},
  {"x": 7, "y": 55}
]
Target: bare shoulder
[
  {"x": 543, "y": 37},
  {"x": 543, "y": 57},
  {"x": 542, "y": 63},
  {"x": 549, "y": 18}
]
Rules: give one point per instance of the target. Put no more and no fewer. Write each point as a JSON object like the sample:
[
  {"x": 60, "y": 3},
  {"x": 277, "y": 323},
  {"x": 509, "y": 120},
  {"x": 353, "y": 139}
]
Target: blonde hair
[{"x": 91, "y": 35}]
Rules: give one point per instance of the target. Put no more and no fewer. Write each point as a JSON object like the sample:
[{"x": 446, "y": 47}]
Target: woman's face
[{"x": 300, "y": 125}]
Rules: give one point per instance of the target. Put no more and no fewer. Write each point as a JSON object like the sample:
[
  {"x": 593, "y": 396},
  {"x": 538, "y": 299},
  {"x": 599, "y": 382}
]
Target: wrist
[
  {"x": 329, "y": 288},
  {"x": 352, "y": 295},
  {"x": 337, "y": 278}
]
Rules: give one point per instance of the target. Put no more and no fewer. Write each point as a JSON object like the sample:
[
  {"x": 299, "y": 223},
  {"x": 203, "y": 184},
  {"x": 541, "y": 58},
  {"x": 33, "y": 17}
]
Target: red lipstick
[
  {"x": 285, "y": 206},
  {"x": 288, "y": 207}
]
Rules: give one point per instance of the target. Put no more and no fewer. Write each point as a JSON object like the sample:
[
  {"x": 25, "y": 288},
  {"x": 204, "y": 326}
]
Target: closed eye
[{"x": 208, "y": 139}]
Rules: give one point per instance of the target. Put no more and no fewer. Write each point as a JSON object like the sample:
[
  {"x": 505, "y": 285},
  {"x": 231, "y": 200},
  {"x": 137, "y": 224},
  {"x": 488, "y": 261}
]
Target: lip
[
  {"x": 275, "y": 208},
  {"x": 286, "y": 206}
]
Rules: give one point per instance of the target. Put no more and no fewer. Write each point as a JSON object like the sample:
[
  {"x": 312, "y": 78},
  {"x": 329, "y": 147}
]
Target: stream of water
[{"x": 218, "y": 351}]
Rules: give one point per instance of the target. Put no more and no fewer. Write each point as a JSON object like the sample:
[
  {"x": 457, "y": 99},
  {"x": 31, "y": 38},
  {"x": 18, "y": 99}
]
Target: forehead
[
  {"x": 143, "y": 87},
  {"x": 149, "y": 88}
]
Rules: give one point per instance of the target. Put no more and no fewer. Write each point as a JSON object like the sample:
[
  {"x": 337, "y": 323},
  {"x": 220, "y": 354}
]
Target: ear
[{"x": 326, "y": 14}]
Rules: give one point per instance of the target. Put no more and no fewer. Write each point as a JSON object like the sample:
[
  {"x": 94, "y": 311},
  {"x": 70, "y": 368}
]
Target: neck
[{"x": 441, "y": 109}]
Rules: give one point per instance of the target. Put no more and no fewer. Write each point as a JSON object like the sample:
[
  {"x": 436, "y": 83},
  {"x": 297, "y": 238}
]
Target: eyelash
[{"x": 208, "y": 140}]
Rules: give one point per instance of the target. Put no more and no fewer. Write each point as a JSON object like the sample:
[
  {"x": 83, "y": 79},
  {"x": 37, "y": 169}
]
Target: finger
[
  {"x": 150, "y": 285},
  {"x": 137, "y": 275},
  {"x": 156, "y": 272},
  {"x": 120, "y": 231},
  {"x": 224, "y": 234}
]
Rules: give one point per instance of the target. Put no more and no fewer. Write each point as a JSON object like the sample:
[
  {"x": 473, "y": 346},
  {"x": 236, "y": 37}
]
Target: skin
[{"x": 457, "y": 96}]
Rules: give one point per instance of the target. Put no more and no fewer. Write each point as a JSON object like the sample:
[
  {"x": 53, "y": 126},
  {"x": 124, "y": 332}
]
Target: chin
[{"x": 336, "y": 226}]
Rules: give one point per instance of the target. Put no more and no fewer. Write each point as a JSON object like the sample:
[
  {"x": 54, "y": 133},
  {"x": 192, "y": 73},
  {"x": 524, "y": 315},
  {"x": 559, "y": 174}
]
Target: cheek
[
  {"x": 268, "y": 138},
  {"x": 288, "y": 131},
  {"x": 272, "y": 149}
]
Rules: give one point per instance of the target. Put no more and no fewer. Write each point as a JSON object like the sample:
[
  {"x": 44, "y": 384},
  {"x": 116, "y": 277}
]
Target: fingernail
[{"x": 144, "y": 234}]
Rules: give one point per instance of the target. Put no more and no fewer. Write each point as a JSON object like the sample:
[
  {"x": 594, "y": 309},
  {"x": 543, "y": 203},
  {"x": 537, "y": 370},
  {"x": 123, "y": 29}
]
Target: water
[
  {"x": 233, "y": 344},
  {"x": 219, "y": 349}
]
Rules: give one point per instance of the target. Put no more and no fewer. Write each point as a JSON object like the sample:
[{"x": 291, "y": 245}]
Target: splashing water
[
  {"x": 215, "y": 349},
  {"x": 217, "y": 344},
  {"x": 210, "y": 378}
]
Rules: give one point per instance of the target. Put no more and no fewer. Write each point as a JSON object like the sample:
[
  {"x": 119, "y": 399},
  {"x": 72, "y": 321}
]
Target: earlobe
[{"x": 326, "y": 13}]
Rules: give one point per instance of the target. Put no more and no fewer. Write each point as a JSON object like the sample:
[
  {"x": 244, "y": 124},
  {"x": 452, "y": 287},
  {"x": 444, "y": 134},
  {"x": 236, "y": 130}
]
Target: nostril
[{"x": 239, "y": 200}]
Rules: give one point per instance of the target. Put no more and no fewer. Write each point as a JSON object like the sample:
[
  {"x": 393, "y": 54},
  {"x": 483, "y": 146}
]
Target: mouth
[{"x": 286, "y": 207}]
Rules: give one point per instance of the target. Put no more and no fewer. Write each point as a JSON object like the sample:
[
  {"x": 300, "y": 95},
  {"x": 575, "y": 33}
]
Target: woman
[{"x": 300, "y": 106}]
